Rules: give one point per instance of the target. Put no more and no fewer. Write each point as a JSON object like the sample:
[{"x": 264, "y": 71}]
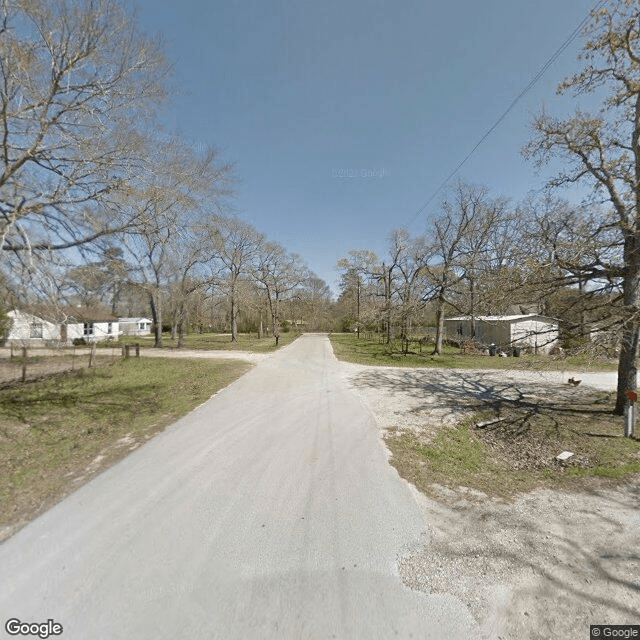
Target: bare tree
[
  {"x": 449, "y": 231},
  {"x": 411, "y": 259},
  {"x": 186, "y": 259},
  {"x": 102, "y": 280},
  {"x": 357, "y": 271},
  {"x": 171, "y": 197},
  {"x": 77, "y": 84},
  {"x": 468, "y": 251},
  {"x": 235, "y": 244},
  {"x": 315, "y": 301},
  {"x": 385, "y": 276},
  {"x": 566, "y": 239},
  {"x": 603, "y": 149},
  {"x": 484, "y": 246},
  {"x": 279, "y": 273}
]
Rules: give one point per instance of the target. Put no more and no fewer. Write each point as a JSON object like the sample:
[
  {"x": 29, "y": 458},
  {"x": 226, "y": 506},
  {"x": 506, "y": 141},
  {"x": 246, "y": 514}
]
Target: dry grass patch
[
  {"x": 58, "y": 432},
  {"x": 350, "y": 348},
  {"x": 214, "y": 342},
  {"x": 511, "y": 447}
]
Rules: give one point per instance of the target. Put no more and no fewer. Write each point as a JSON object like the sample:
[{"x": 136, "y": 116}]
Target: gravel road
[
  {"x": 268, "y": 512},
  {"x": 247, "y": 356},
  {"x": 546, "y": 566},
  {"x": 271, "y": 512}
]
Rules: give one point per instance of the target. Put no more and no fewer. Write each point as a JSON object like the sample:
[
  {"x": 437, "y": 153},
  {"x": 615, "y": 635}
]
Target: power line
[{"x": 572, "y": 36}]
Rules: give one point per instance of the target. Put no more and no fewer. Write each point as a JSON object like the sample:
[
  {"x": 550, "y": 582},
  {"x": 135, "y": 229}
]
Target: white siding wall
[
  {"x": 528, "y": 332},
  {"x": 99, "y": 333},
  {"x": 74, "y": 331},
  {"x": 101, "y": 330},
  {"x": 535, "y": 333},
  {"x": 133, "y": 328},
  {"x": 22, "y": 329}
]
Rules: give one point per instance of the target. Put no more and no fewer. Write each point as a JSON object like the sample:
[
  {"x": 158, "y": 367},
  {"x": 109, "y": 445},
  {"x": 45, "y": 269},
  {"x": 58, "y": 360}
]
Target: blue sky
[{"x": 344, "y": 116}]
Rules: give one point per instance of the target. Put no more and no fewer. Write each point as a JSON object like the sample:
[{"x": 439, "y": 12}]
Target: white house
[
  {"x": 29, "y": 330},
  {"x": 135, "y": 326},
  {"x": 537, "y": 332},
  {"x": 60, "y": 325},
  {"x": 90, "y": 325}
]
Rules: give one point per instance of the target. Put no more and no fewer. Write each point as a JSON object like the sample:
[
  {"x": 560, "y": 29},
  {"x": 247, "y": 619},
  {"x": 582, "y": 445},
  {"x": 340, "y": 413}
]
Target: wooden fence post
[
  {"x": 24, "y": 363},
  {"x": 137, "y": 349},
  {"x": 92, "y": 354},
  {"x": 127, "y": 350}
]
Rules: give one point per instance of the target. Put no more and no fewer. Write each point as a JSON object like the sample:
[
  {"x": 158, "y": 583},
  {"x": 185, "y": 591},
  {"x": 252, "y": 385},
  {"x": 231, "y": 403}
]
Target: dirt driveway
[
  {"x": 247, "y": 356},
  {"x": 548, "y": 564}
]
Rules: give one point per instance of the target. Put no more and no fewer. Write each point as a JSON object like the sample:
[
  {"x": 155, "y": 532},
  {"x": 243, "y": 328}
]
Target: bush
[{"x": 346, "y": 324}]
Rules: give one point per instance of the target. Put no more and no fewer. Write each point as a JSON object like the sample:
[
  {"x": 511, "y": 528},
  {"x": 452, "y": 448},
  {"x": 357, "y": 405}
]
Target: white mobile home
[
  {"x": 61, "y": 326},
  {"x": 539, "y": 333},
  {"x": 29, "y": 330},
  {"x": 135, "y": 326},
  {"x": 89, "y": 325}
]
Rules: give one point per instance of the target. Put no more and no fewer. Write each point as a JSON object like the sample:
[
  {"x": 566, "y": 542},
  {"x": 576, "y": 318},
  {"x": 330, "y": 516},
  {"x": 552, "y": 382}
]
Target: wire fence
[{"x": 22, "y": 363}]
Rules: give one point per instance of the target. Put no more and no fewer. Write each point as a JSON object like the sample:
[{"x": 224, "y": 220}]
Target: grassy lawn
[
  {"x": 53, "y": 430},
  {"x": 213, "y": 341},
  {"x": 350, "y": 348},
  {"x": 518, "y": 453}
]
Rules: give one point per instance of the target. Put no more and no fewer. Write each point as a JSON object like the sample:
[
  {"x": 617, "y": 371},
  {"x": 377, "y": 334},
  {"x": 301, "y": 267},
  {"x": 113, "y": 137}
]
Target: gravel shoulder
[
  {"x": 247, "y": 356},
  {"x": 149, "y": 352},
  {"x": 546, "y": 565}
]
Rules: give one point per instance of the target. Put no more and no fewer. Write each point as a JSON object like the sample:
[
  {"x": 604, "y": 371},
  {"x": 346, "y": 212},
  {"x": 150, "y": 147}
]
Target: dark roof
[
  {"x": 71, "y": 315},
  {"x": 89, "y": 314}
]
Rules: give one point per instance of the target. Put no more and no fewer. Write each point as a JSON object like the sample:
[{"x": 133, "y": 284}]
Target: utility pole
[{"x": 358, "y": 304}]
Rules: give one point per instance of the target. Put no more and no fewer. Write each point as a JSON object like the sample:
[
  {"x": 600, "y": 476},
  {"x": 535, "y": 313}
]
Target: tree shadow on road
[
  {"x": 483, "y": 390},
  {"x": 546, "y": 563},
  {"x": 566, "y": 561}
]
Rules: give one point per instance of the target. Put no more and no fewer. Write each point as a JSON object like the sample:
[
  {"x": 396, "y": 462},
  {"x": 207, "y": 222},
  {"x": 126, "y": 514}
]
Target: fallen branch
[
  {"x": 598, "y": 435},
  {"x": 488, "y": 423}
]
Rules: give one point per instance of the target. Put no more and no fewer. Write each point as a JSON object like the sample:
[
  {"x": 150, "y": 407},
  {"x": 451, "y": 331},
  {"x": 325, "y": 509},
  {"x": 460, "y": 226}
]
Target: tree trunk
[
  {"x": 473, "y": 310},
  {"x": 115, "y": 297},
  {"x": 156, "y": 315},
  {"x": 627, "y": 368},
  {"x": 275, "y": 320},
  {"x": 387, "y": 301},
  {"x": 627, "y": 363},
  {"x": 440, "y": 327},
  {"x": 181, "y": 326},
  {"x": 358, "y": 308},
  {"x": 273, "y": 308},
  {"x": 234, "y": 314}
]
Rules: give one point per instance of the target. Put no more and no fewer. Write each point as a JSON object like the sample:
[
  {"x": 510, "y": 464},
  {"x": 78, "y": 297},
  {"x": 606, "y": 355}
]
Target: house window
[
  {"x": 35, "y": 330},
  {"x": 142, "y": 326},
  {"x": 88, "y": 329},
  {"x": 110, "y": 327}
]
